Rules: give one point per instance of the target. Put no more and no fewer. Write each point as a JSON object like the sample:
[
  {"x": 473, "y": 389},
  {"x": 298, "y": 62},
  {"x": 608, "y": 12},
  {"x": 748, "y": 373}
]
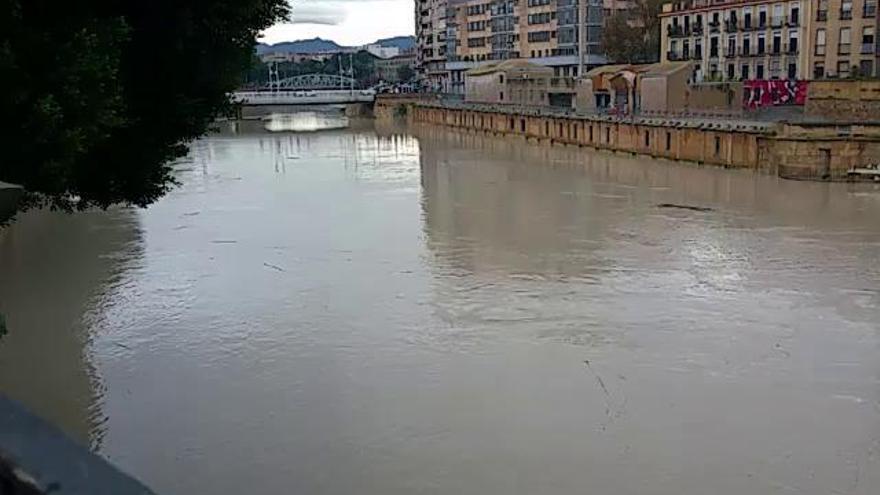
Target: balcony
[
  {"x": 791, "y": 49},
  {"x": 713, "y": 26},
  {"x": 676, "y": 31},
  {"x": 730, "y": 53},
  {"x": 562, "y": 83},
  {"x": 845, "y": 14},
  {"x": 867, "y": 48},
  {"x": 731, "y": 26},
  {"x": 821, "y": 15},
  {"x": 697, "y": 29},
  {"x": 777, "y": 21},
  {"x": 697, "y": 56},
  {"x": 674, "y": 56},
  {"x": 793, "y": 21}
]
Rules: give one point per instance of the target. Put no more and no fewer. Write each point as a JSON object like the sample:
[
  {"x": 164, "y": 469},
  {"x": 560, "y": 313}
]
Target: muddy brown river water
[{"x": 382, "y": 310}]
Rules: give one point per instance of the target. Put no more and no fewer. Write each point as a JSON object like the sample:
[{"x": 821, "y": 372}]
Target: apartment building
[
  {"x": 477, "y": 31},
  {"x": 737, "y": 40},
  {"x": 431, "y": 41},
  {"x": 843, "y": 39},
  {"x": 765, "y": 39}
]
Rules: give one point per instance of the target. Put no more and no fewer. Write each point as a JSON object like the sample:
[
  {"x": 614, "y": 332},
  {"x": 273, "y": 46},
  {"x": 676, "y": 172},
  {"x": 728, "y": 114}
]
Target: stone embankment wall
[
  {"x": 850, "y": 101},
  {"x": 809, "y": 151}
]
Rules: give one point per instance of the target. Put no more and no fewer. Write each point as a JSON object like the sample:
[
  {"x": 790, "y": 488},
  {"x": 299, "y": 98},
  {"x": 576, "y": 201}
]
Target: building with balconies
[
  {"x": 473, "y": 32},
  {"x": 843, "y": 39},
  {"x": 737, "y": 40},
  {"x": 797, "y": 39}
]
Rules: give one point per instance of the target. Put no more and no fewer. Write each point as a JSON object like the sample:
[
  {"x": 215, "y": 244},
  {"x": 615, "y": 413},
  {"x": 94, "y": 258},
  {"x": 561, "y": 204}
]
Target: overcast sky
[{"x": 347, "y": 22}]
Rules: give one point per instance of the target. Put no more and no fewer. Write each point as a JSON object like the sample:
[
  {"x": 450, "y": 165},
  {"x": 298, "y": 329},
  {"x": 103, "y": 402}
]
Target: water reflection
[
  {"x": 54, "y": 269},
  {"x": 305, "y": 121},
  {"x": 388, "y": 310}
]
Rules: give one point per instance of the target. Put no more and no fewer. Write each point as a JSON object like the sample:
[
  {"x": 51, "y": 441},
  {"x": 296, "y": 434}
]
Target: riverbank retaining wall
[{"x": 808, "y": 151}]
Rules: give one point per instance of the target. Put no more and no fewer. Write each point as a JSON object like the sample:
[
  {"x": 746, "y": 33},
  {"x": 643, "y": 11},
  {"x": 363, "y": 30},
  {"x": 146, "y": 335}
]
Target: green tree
[
  {"x": 405, "y": 73},
  {"x": 633, "y": 35},
  {"x": 101, "y": 95}
]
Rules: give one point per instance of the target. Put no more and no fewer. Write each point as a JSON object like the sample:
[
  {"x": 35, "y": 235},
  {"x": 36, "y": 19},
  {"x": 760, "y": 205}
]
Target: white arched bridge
[{"x": 307, "y": 89}]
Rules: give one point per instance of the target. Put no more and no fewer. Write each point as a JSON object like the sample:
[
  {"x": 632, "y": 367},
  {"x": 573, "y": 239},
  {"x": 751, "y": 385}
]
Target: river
[{"x": 341, "y": 308}]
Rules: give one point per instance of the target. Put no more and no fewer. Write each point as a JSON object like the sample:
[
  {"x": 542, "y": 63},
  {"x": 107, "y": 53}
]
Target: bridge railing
[{"x": 303, "y": 97}]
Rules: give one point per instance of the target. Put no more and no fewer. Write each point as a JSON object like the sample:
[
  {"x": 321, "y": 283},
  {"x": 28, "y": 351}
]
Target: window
[
  {"x": 501, "y": 78},
  {"x": 819, "y": 70},
  {"x": 717, "y": 145},
  {"x": 792, "y": 70},
  {"x": 501, "y": 96},
  {"x": 844, "y": 43},
  {"x": 745, "y": 72},
  {"x": 591, "y": 133},
  {"x": 820, "y": 42},
  {"x": 870, "y": 9},
  {"x": 846, "y": 9},
  {"x": 668, "y": 140},
  {"x": 777, "y": 42},
  {"x": 843, "y": 69},
  {"x": 713, "y": 47},
  {"x": 762, "y": 43},
  {"x": 822, "y": 11},
  {"x": 867, "y": 39},
  {"x": 794, "y": 14},
  {"x": 731, "y": 46},
  {"x": 775, "y": 69},
  {"x": 777, "y": 15},
  {"x": 762, "y": 16},
  {"x": 539, "y": 36},
  {"x": 792, "y": 42},
  {"x": 607, "y": 135},
  {"x": 759, "y": 71},
  {"x": 866, "y": 67},
  {"x": 731, "y": 72},
  {"x": 747, "y": 45},
  {"x": 647, "y": 139},
  {"x": 747, "y": 17}
]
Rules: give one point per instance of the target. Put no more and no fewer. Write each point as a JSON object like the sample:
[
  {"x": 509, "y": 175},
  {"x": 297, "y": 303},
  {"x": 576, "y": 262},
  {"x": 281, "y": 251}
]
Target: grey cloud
[{"x": 329, "y": 13}]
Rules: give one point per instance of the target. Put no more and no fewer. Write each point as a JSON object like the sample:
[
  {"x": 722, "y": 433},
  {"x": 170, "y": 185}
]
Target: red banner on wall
[{"x": 770, "y": 93}]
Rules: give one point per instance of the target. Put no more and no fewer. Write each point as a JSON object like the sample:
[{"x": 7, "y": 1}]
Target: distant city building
[
  {"x": 279, "y": 57},
  {"x": 454, "y": 36},
  {"x": 388, "y": 69},
  {"x": 765, "y": 40},
  {"x": 382, "y": 51}
]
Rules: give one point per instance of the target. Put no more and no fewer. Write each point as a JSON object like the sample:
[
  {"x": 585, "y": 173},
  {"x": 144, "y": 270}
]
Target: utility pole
[
  {"x": 274, "y": 80},
  {"x": 351, "y": 67},
  {"x": 582, "y": 36}
]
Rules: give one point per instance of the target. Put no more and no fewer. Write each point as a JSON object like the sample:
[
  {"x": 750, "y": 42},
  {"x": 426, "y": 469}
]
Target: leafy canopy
[
  {"x": 100, "y": 95},
  {"x": 633, "y": 35}
]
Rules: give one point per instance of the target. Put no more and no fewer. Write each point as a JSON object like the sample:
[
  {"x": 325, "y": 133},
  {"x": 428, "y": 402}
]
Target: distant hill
[
  {"x": 314, "y": 45},
  {"x": 318, "y": 45},
  {"x": 402, "y": 42}
]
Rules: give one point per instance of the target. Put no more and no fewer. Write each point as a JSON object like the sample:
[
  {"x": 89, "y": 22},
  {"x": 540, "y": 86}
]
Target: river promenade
[{"x": 800, "y": 148}]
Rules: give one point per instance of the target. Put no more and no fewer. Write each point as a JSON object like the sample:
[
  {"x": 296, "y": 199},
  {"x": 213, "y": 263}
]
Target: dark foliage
[
  {"x": 633, "y": 35},
  {"x": 100, "y": 95}
]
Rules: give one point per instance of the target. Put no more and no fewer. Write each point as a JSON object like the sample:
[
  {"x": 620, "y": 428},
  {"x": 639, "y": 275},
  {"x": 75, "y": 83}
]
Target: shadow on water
[{"x": 55, "y": 267}]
